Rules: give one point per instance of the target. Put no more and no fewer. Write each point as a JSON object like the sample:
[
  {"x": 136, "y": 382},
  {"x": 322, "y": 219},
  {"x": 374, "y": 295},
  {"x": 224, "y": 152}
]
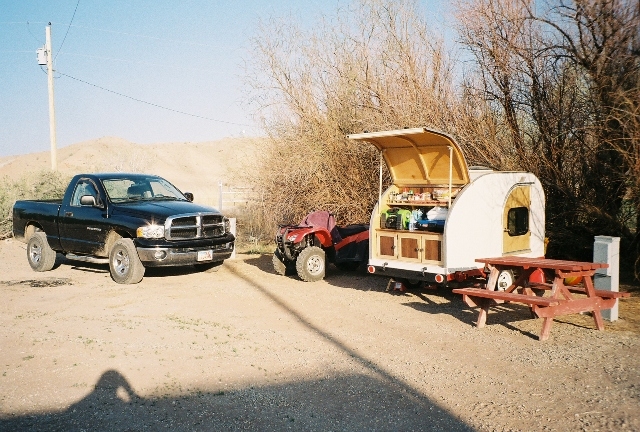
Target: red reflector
[
  {"x": 439, "y": 278},
  {"x": 371, "y": 269}
]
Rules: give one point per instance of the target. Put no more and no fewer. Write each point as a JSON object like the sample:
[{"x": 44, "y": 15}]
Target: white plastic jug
[{"x": 437, "y": 213}]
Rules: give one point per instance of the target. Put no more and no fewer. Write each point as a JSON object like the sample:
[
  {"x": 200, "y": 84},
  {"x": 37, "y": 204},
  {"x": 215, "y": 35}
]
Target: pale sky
[{"x": 183, "y": 55}]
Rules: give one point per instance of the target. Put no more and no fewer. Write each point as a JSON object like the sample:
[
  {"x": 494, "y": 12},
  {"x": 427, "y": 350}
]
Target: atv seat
[{"x": 349, "y": 230}]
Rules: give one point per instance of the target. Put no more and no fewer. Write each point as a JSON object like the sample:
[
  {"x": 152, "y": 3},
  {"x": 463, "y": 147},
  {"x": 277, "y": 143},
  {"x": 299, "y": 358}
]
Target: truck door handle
[{"x": 68, "y": 214}]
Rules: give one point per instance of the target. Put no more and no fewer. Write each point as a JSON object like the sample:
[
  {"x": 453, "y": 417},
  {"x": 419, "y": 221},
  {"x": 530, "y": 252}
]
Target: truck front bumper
[{"x": 172, "y": 256}]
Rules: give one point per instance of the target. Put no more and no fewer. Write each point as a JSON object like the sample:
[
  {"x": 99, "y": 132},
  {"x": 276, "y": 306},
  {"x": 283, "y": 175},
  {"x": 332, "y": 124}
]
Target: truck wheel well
[
  {"x": 111, "y": 239},
  {"x": 31, "y": 229}
]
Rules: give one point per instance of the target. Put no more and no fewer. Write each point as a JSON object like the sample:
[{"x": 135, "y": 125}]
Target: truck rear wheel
[
  {"x": 310, "y": 264},
  {"x": 124, "y": 262},
  {"x": 40, "y": 255}
]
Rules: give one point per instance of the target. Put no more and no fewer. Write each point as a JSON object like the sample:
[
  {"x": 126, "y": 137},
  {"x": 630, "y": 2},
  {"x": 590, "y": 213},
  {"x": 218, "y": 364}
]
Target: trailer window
[{"x": 518, "y": 221}]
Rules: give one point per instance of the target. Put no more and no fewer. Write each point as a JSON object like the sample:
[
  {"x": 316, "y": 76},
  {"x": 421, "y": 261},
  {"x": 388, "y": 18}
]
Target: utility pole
[{"x": 52, "y": 112}]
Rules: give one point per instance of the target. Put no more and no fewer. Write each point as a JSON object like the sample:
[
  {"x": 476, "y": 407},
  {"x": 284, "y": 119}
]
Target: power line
[
  {"x": 153, "y": 104},
  {"x": 65, "y": 35},
  {"x": 112, "y": 31},
  {"x": 29, "y": 30},
  {"x": 145, "y": 36},
  {"x": 135, "y": 62}
]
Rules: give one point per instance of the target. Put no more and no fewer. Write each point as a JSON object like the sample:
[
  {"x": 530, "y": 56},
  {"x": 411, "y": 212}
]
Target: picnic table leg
[
  {"x": 493, "y": 278},
  {"x": 482, "y": 314},
  {"x": 546, "y": 328},
  {"x": 597, "y": 315}
]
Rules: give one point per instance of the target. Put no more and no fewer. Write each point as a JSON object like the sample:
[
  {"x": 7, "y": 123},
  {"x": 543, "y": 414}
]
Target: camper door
[{"x": 516, "y": 235}]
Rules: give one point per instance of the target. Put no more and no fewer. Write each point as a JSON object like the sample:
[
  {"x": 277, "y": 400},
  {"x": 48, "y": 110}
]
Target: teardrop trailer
[{"x": 439, "y": 215}]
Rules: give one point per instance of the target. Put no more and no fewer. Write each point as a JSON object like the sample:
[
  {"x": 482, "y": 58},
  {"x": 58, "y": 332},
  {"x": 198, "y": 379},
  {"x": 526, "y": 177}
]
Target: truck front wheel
[
  {"x": 40, "y": 255},
  {"x": 124, "y": 262},
  {"x": 310, "y": 264}
]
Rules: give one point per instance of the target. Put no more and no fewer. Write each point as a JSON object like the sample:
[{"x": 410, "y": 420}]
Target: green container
[{"x": 403, "y": 219}]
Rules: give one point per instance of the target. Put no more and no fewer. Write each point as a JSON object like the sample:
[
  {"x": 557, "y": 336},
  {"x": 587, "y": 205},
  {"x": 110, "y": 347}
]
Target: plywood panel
[
  {"x": 432, "y": 250},
  {"x": 409, "y": 248},
  {"x": 387, "y": 245}
]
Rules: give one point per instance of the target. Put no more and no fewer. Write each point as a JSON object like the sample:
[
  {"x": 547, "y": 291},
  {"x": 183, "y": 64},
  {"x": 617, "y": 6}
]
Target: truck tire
[
  {"x": 40, "y": 255},
  {"x": 124, "y": 262},
  {"x": 311, "y": 264}
]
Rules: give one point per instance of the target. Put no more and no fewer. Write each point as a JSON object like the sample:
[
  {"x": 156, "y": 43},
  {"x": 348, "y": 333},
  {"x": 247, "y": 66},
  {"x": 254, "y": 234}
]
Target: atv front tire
[{"x": 311, "y": 264}]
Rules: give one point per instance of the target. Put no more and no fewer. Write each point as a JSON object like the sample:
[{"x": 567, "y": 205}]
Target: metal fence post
[
  {"x": 607, "y": 250},
  {"x": 220, "y": 196},
  {"x": 232, "y": 223}
]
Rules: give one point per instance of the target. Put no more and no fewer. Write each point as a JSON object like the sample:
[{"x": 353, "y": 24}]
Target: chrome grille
[{"x": 194, "y": 226}]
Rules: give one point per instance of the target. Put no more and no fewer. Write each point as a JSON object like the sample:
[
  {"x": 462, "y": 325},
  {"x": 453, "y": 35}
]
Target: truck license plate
[{"x": 205, "y": 255}]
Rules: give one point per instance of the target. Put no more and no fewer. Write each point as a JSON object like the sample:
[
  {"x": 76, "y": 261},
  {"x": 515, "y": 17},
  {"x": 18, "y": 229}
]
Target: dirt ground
[{"x": 246, "y": 349}]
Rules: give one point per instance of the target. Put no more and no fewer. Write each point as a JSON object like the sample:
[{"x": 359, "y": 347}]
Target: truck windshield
[{"x": 141, "y": 189}]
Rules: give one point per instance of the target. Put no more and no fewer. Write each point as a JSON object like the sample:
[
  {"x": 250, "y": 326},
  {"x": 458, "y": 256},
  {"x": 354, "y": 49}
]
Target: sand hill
[{"x": 193, "y": 167}]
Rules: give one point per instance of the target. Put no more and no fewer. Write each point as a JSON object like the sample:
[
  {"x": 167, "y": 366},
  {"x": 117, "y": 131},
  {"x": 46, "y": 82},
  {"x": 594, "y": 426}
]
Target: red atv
[{"x": 307, "y": 246}]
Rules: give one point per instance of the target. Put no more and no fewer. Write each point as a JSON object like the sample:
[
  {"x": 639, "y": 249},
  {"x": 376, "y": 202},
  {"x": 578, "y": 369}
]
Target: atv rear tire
[
  {"x": 311, "y": 264},
  {"x": 348, "y": 265}
]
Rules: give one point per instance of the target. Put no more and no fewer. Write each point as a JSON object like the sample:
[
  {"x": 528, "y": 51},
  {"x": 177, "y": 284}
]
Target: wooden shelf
[{"x": 415, "y": 203}]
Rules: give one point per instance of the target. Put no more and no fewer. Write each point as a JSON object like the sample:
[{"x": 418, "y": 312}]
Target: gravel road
[{"x": 246, "y": 349}]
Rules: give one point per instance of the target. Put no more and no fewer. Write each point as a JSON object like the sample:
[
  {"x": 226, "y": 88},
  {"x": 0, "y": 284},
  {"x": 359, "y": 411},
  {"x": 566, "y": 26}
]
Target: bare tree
[
  {"x": 372, "y": 67},
  {"x": 561, "y": 80}
]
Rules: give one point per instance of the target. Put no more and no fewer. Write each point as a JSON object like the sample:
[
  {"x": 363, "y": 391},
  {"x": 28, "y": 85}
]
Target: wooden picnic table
[{"x": 562, "y": 299}]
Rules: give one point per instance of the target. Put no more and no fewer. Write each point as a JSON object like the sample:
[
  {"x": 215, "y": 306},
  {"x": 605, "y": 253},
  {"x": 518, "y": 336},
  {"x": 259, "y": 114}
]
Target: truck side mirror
[
  {"x": 88, "y": 200},
  {"x": 189, "y": 196}
]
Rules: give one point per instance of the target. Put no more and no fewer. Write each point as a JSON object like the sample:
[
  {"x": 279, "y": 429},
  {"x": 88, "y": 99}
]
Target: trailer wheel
[
  {"x": 310, "y": 264},
  {"x": 124, "y": 262},
  {"x": 413, "y": 283},
  {"x": 40, "y": 255},
  {"x": 505, "y": 280}
]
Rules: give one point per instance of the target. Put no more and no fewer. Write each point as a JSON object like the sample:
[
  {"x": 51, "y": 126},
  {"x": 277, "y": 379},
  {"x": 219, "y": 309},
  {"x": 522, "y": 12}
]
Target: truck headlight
[
  {"x": 150, "y": 231},
  {"x": 227, "y": 224}
]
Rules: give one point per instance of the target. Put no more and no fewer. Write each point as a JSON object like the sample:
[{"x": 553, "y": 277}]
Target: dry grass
[{"x": 36, "y": 185}]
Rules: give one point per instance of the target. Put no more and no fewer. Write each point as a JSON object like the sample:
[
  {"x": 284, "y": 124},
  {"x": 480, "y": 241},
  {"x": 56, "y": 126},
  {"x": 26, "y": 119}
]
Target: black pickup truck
[{"x": 132, "y": 221}]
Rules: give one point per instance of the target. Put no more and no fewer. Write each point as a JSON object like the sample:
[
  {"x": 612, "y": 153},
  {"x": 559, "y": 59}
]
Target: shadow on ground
[
  {"x": 150, "y": 272},
  {"x": 357, "y": 279},
  {"x": 420, "y": 299},
  {"x": 339, "y": 403}
]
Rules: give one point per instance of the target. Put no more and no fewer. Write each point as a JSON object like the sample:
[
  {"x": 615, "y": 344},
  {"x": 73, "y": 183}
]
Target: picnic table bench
[{"x": 561, "y": 300}]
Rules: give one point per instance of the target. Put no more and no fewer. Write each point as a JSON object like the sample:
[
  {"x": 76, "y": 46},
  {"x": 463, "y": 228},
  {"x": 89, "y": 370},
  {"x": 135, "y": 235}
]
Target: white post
[
  {"x": 232, "y": 223},
  {"x": 380, "y": 180},
  {"x": 607, "y": 250},
  {"x": 450, "y": 172},
  {"x": 52, "y": 112}
]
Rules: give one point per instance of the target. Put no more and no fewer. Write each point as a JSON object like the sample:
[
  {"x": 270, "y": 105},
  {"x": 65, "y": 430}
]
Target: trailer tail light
[
  {"x": 439, "y": 278},
  {"x": 371, "y": 269}
]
